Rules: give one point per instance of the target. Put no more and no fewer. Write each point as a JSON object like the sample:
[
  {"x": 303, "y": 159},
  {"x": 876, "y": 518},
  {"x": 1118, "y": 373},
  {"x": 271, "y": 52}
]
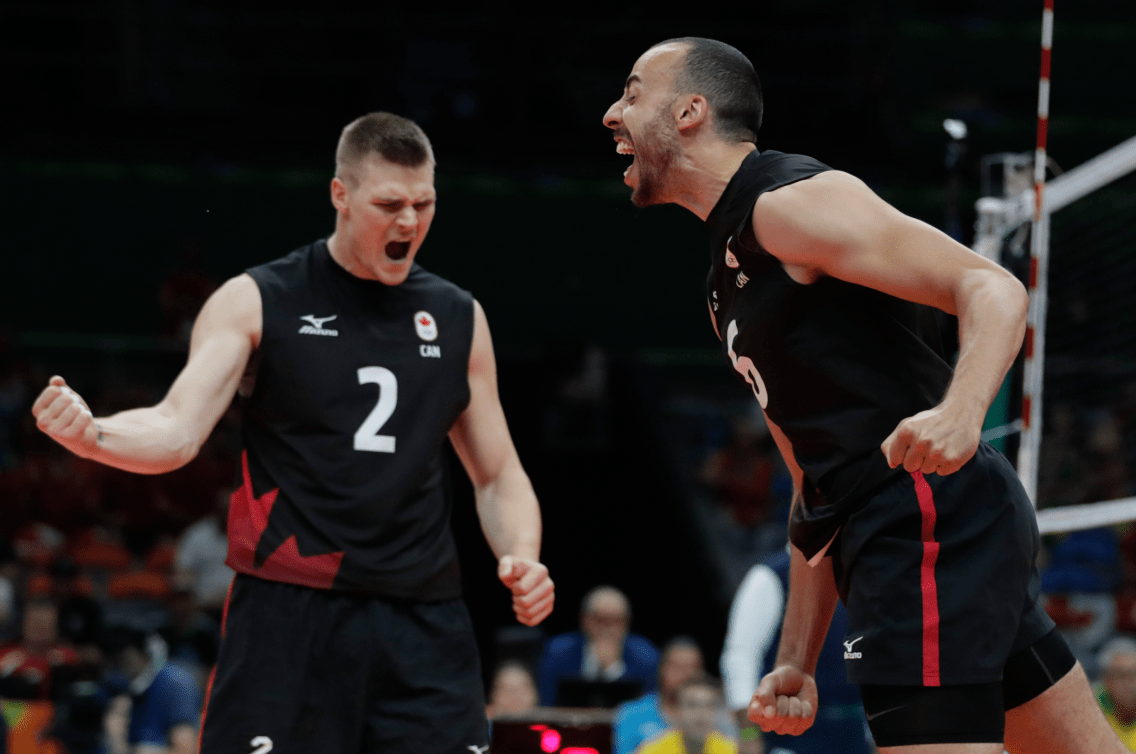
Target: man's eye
[{"x": 423, "y": 205}]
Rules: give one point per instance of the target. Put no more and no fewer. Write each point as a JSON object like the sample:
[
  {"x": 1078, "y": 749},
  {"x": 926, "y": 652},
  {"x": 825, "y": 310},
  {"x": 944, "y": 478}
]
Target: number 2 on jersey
[{"x": 367, "y": 437}]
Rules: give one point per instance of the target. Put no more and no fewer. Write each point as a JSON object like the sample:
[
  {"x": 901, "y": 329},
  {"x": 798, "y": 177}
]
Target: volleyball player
[
  {"x": 819, "y": 292},
  {"x": 344, "y": 630}
]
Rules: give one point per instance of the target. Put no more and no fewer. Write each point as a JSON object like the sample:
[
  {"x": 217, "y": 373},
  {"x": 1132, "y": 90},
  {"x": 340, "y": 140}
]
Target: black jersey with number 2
[
  {"x": 354, "y": 387},
  {"x": 835, "y": 365}
]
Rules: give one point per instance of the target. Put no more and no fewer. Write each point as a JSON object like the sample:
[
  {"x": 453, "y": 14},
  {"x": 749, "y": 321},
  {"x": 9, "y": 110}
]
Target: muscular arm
[
  {"x": 166, "y": 436},
  {"x": 786, "y": 699},
  {"x": 506, "y": 503},
  {"x": 834, "y": 225}
]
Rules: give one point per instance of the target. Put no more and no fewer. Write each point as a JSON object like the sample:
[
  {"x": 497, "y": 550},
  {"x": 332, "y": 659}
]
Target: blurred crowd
[{"x": 112, "y": 584}]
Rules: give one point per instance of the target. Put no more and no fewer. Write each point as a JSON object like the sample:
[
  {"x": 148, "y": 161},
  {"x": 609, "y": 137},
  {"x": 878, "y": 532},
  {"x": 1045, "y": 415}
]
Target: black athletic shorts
[
  {"x": 310, "y": 670},
  {"x": 938, "y": 574}
]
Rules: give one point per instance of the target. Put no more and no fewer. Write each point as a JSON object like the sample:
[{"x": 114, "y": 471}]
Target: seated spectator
[
  {"x": 653, "y": 713},
  {"x": 699, "y": 702},
  {"x": 193, "y": 637},
  {"x": 26, "y": 667},
  {"x": 1116, "y": 691},
  {"x": 201, "y": 553},
  {"x": 160, "y": 704},
  {"x": 603, "y": 650},
  {"x": 80, "y": 615},
  {"x": 513, "y": 690}
]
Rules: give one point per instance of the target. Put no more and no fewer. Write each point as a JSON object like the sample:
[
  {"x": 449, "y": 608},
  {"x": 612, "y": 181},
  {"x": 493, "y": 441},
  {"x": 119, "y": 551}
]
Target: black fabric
[
  {"x": 1032, "y": 670},
  {"x": 336, "y": 350},
  {"x": 835, "y": 365},
  {"x": 985, "y": 582},
  {"x": 918, "y": 715},
  {"x": 310, "y": 670}
]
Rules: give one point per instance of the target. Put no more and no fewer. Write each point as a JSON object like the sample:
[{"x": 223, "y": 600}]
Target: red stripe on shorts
[
  {"x": 213, "y": 672},
  {"x": 927, "y": 582}
]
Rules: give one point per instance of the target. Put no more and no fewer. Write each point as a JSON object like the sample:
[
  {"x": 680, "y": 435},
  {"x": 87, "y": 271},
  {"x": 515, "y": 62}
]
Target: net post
[{"x": 1029, "y": 452}]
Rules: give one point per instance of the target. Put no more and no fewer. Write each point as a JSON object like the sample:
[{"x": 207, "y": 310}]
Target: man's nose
[
  {"x": 613, "y": 117},
  {"x": 408, "y": 217}
]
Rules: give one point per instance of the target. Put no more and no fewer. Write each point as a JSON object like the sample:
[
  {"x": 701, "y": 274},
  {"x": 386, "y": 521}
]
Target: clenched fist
[
  {"x": 533, "y": 590},
  {"x": 64, "y": 416},
  {"x": 937, "y": 441},
  {"x": 785, "y": 701}
]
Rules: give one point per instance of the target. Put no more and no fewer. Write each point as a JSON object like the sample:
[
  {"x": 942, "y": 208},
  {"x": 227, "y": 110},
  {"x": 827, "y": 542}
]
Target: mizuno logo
[
  {"x": 316, "y": 327},
  {"x": 848, "y": 653}
]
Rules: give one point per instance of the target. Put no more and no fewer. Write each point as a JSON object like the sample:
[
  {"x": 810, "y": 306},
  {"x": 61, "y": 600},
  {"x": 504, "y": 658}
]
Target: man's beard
[{"x": 654, "y": 152}]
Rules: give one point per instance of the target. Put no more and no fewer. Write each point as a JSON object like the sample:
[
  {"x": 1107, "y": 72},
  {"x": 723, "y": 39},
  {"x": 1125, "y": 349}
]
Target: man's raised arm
[
  {"x": 166, "y": 436},
  {"x": 506, "y": 503},
  {"x": 833, "y": 224}
]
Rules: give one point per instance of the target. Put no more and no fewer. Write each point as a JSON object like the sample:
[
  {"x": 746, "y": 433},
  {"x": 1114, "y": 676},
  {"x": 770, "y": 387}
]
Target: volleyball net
[{"x": 1076, "y": 416}]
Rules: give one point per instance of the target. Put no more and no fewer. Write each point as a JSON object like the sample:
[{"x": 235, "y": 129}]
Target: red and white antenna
[{"x": 1030, "y": 451}]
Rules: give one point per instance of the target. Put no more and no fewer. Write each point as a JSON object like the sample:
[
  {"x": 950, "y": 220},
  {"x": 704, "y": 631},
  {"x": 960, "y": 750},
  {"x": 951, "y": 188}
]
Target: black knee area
[
  {"x": 1032, "y": 670},
  {"x": 914, "y": 715}
]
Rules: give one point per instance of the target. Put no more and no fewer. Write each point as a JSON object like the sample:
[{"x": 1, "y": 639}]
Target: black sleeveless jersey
[
  {"x": 354, "y": 387},
  {"x": 835, "y": 365}
]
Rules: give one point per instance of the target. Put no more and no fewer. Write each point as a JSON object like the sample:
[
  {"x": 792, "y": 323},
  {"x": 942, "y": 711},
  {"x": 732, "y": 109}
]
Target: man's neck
[
  {"x": 338, "y": 246},
  {"x": 693, "y": 745},
  {"x": 700, "y": 175}
]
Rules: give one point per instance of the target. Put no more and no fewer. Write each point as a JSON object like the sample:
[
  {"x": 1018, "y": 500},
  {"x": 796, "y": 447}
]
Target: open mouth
[
  {"x": 397, "y": 250},
  {"x": 624, "y": 147}
]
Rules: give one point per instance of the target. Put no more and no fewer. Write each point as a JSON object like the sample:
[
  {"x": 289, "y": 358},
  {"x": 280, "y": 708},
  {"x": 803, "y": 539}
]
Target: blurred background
[{"x": 154, "y": 148}]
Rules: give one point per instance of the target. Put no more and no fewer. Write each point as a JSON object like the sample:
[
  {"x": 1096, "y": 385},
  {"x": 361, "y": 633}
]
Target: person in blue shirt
[
  {"x": 651, "y": 714},
  {"x": 164, "y": 707},
  {"x": 604, "y": 650}
]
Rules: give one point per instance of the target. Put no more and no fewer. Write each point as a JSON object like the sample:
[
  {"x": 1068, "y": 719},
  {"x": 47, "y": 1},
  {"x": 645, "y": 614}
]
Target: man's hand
[
  {"x": 937, "y": 441},
  {"x": 533, "y": 591},
  {"x": 785, "y": 701},
  {"x": 65, "y": 417}
]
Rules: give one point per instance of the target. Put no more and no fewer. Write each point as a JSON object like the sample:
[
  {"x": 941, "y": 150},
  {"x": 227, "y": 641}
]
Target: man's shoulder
[
  {"x": 422, "y": 279},
  {"x": 565, "y": 642},
  {"x": 284, "y": 266}
]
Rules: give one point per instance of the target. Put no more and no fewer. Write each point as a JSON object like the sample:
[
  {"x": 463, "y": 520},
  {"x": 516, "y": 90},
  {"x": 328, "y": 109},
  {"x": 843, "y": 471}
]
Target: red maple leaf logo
[{"x": 425, "y": 322}]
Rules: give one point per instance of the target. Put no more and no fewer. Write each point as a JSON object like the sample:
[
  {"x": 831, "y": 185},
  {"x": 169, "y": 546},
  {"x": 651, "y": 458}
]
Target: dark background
[{"x": 143, "y": 137}]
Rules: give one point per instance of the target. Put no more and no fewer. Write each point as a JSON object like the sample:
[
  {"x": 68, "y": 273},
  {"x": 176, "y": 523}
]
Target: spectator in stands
[
  {"x": 26, "y": 667},
  {"x": 513, "y": 690},
  {"x": 752, "y": 637},
  {"x": 741, "y": 473},
  {"x": 653, "y": 713},
  {"x": 159, "y": 707},
  {"x": 80, "y": 615},
  {"x": 604, "y": 650},
  {"x": 201, "y": 556},
  {"x": 193, "y": 638},
  {"x": 9, "y": 577},
  {"x": 699, "y": 702},
  {"x": 1117, "y": 690}
]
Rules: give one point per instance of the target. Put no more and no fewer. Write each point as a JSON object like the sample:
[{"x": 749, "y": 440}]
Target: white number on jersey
[
  {"x": 745, "y": 366},
  {"x": 367, "y": 437},
  {"x": 263, "y": 745}
]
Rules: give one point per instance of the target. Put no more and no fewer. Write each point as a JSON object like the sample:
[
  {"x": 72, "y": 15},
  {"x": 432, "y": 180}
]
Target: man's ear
[
  {"x": 339, "y": 194},
  {"x": 693, "y": 111}
]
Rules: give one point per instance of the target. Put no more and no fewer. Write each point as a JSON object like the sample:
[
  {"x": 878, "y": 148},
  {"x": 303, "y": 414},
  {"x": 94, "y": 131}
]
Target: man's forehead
[
  {"x": 657, "y": 63},
  {"x": 381, "y": 176}
]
